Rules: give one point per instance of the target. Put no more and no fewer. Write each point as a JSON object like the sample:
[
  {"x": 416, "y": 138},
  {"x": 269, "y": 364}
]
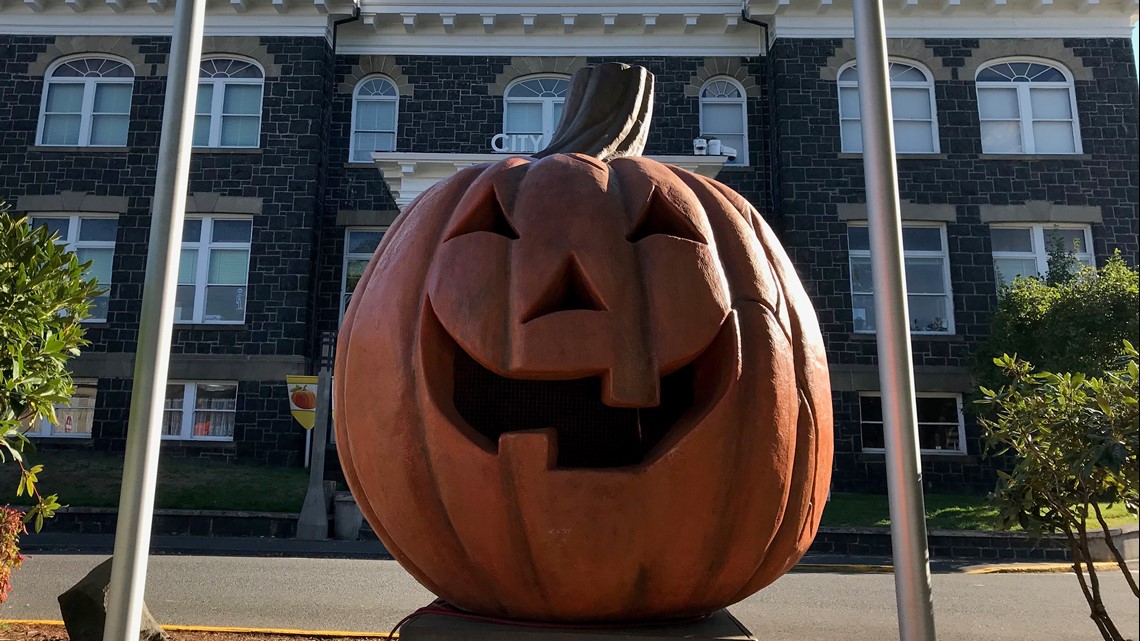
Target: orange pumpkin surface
[{"x": 576, "y": 390}]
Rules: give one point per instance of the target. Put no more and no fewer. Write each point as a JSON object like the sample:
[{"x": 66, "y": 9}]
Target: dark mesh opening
[{"x": 590, "y": 434}]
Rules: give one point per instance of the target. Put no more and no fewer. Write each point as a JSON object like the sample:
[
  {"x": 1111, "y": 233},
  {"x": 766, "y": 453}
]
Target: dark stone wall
[{"x": 287, "y": 171}]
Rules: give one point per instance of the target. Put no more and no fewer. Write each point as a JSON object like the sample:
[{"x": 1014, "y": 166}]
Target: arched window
[
  {"x": 375, "y": 104},
  {"x": 724, "y": 115},
  {"x": 531, "y": 110},
  {"x": 1027, "y": 107},
  {"x": 228, "y": 113},
  {"x": 912, "y": 105},
  {"x": 86, "y": 103}
]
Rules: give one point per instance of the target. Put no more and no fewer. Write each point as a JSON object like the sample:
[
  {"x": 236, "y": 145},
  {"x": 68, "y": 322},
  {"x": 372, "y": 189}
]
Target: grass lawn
[
  {"x": 943, "y": 512},
  {"x": 93, "y": 479}
]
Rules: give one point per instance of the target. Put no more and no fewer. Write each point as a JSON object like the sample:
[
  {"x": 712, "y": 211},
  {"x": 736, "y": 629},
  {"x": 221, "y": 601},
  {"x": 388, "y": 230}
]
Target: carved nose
[{"x": 569, "y": 289}]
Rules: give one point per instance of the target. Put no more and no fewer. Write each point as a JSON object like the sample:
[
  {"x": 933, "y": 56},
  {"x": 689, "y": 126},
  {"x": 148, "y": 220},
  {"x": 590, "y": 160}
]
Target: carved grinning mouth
[{"x": 591, "y": 434}]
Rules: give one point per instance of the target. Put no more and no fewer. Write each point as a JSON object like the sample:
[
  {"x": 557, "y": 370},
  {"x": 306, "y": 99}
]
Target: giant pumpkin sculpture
[{"x": 584, "y": 385}]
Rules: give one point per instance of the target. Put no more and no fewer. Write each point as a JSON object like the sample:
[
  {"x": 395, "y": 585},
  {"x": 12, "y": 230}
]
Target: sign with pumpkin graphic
[
  {"x": 585, "y": 386},
  {"x": 303, "y": 399}
]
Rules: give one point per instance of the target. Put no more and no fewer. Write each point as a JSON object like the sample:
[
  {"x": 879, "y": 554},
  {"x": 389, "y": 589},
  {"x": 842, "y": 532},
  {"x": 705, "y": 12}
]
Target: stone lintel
[
  {"x": 910, "y": 211},
  {"x": 1036, "y": 211},
  {"x": 865, "y": 378},
  {"x": 365, "y": 218},
  {"x": 71, "y": 202},
  {"x": 193, "y": 367},
  {"x": 211, "y": 203}
]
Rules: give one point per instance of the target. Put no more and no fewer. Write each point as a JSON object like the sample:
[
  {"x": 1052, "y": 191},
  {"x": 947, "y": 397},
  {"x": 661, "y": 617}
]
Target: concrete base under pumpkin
[{"x": 720, "y": 626}]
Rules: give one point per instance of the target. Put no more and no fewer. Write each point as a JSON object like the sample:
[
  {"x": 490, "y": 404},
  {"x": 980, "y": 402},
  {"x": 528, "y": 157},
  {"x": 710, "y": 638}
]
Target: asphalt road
[{"x": 367, "y": 595}]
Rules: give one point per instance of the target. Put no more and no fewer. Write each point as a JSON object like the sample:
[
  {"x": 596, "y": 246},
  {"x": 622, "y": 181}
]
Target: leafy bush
[
  {"x": 1071, "y": 321},
  {"x": 1072, "y": 440},
  {"x": 43, "y": 298}
]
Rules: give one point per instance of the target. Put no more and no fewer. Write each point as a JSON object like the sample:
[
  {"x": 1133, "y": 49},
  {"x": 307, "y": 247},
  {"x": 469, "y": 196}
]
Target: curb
[{"x": 239, "y": 630}]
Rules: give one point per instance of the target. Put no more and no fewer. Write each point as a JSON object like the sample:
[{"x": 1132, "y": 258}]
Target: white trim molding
[{"x": 409, "y": 174}]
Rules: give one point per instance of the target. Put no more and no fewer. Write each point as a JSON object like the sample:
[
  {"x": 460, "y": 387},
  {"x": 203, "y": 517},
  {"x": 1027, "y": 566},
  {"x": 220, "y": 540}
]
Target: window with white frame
[
  {"x": 213, "y": 271},
  {"x": 1027, "y": 107},
  {"x": 532, "y": 108},
  {"x": 74, "y": 420},
  {"x": 199, "y": 411},
  {"x": 927, "y": 264},
  {"x": 228, "y": 112},
  {"x": 375, "y": 105},
  {"x": 86, "y": 103},
  {"x": 941, "y": 426},
  {"x": 359, "y": 245},
  {"x": 912, "y": 104},
  {"x": 1023, "y": 250},
  {"x": 724, "y": 115},
  {"x": 92, "y": 238}
]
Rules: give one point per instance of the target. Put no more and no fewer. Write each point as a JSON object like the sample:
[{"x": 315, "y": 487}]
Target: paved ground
[{"x": 371, "y": 595}]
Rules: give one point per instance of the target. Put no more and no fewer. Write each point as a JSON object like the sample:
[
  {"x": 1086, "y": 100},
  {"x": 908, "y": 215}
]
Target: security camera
[{"x": 725, "y": 150}]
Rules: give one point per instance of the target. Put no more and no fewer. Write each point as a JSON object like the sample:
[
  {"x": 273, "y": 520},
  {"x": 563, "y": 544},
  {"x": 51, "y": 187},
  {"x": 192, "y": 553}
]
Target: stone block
[
  {"x": 719, "y": 626},
  {"x": 84, "y": 608}
]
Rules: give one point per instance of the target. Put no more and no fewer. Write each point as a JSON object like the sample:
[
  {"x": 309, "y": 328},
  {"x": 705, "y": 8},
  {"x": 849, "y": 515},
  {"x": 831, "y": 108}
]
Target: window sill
[
  {"x": 228, "y": 150},
  {"x": 847, "y": 155},
  {"x": 878, "y": 454},
  {"x": 52, "y": 149},
  {"x": 359, "y": 165},
  {"x": 736, "y": 169},
  {"x": 1035, "y": 157},
  {"x": 179, "y": 442},
  {"x": 55, "y": 439},
  {"x": 95, "y": 324},
  {"x": 940, "y": 338},
  {"x": 206, "y": 326}
]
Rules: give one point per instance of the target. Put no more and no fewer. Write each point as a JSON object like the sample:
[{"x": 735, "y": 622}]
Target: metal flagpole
[
  {"x": 152, "y": 356},
  {"x": 896, "y": 375}
]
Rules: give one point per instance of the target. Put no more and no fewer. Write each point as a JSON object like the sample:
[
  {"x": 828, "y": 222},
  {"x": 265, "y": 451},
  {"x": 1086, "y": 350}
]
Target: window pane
[
  {"x": 184, "y": 303},
  {"x": 861, "y": 275},
  {"x": 363, "y": 242},
  {"x": 201, "y": 131},
  {"x": 928, "y": 313},
  {"x": 1072, "y": 239},
  {"x": 870, "y": 408},
  {"x": 1011, "y": 239},
  {"x": 78, "y": 416},
  {"x": 557, "y": 107},
  {"x": 192, "y": 230},
  {"x": 225, "y": 303},
  {"x": 998, "y": 104},
  {"x": 852, "y": 136},
  {"x": 1050, "y": 103},
  {"x": 914, "y": 137},
  {"x": 100, "y": 268},
  {"x": 939, "y": 438},
  {"x": 1001, "y": 137},
  {"x": 905, "y": 73},
  {"x": 1053, "y": 137},
  {"x": 863, "y": 307},
  {"x": 172, "y": 416},
  {"x": 366, "y": 143},
  {"x": 109, "y": 131},
  {"x": 215, "y": 408},
  {"x": 242, "y": 99},
  {"x": 736, "y": 141},
  {"x": 353, "y": 271},
  {"x": 98, "y": 229},
  {"x": 232, "y": 231},
  {"x": 55, "y": 226},
  {"x": 937, "y": 409},
  {"x": 205, "y": 99},
  {"x": 188, "y": 266},
  {"x": 849, "y": 102},
  {"x": 922, "y": 239},
  {"x": 240, "y": 131},
  {"x": 228, "y": 266},
  {"x": 1009, "y": 269},
  {"x": 722, "y": 118},
  {"x": 112, "y": 98},
  {"x": 64, "y": 97},
  {"x": 376, "y": 115},
  {"x": 925, "y": 276},
  {"x": 910, "y": 103},
  {"x": 873, "y": 435},
  {"x": 61, "y": 130},
  {"x": 858, "y": 238},
  {"x": 523, "y": 118}
]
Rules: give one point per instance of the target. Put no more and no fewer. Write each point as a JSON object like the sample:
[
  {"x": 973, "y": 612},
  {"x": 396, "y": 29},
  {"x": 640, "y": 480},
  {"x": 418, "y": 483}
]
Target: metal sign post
[
  {"x": 156, "y": 324},
  {"x": 313, "y": 522},
  {"x": 896, "y": 374}
]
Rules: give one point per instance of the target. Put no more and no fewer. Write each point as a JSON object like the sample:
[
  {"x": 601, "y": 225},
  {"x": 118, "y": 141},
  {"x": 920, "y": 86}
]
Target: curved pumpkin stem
[{"x": 606, "y": 114}]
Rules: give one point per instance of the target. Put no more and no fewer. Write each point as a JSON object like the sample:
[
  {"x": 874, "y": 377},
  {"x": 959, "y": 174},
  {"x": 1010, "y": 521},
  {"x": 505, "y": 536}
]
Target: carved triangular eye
[
  {"x": 486, "y": 216},
  {"x": 569, "y": 290},
  {"x": 661, "y": 217}
]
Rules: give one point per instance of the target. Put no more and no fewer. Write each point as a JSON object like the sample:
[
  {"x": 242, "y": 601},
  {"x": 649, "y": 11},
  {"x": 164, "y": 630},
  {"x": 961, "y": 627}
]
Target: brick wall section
[
  {"x": 287, "y": 172},
  {"x": 814, "y": 179}
]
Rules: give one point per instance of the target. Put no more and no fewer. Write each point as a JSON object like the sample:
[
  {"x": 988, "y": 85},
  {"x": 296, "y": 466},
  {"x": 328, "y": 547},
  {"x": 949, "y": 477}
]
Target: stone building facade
[{"x": 321, "y": 119}]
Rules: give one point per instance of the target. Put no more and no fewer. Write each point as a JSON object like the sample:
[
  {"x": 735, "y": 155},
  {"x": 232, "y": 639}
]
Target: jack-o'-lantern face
[{"x": 573, "y": 390}]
